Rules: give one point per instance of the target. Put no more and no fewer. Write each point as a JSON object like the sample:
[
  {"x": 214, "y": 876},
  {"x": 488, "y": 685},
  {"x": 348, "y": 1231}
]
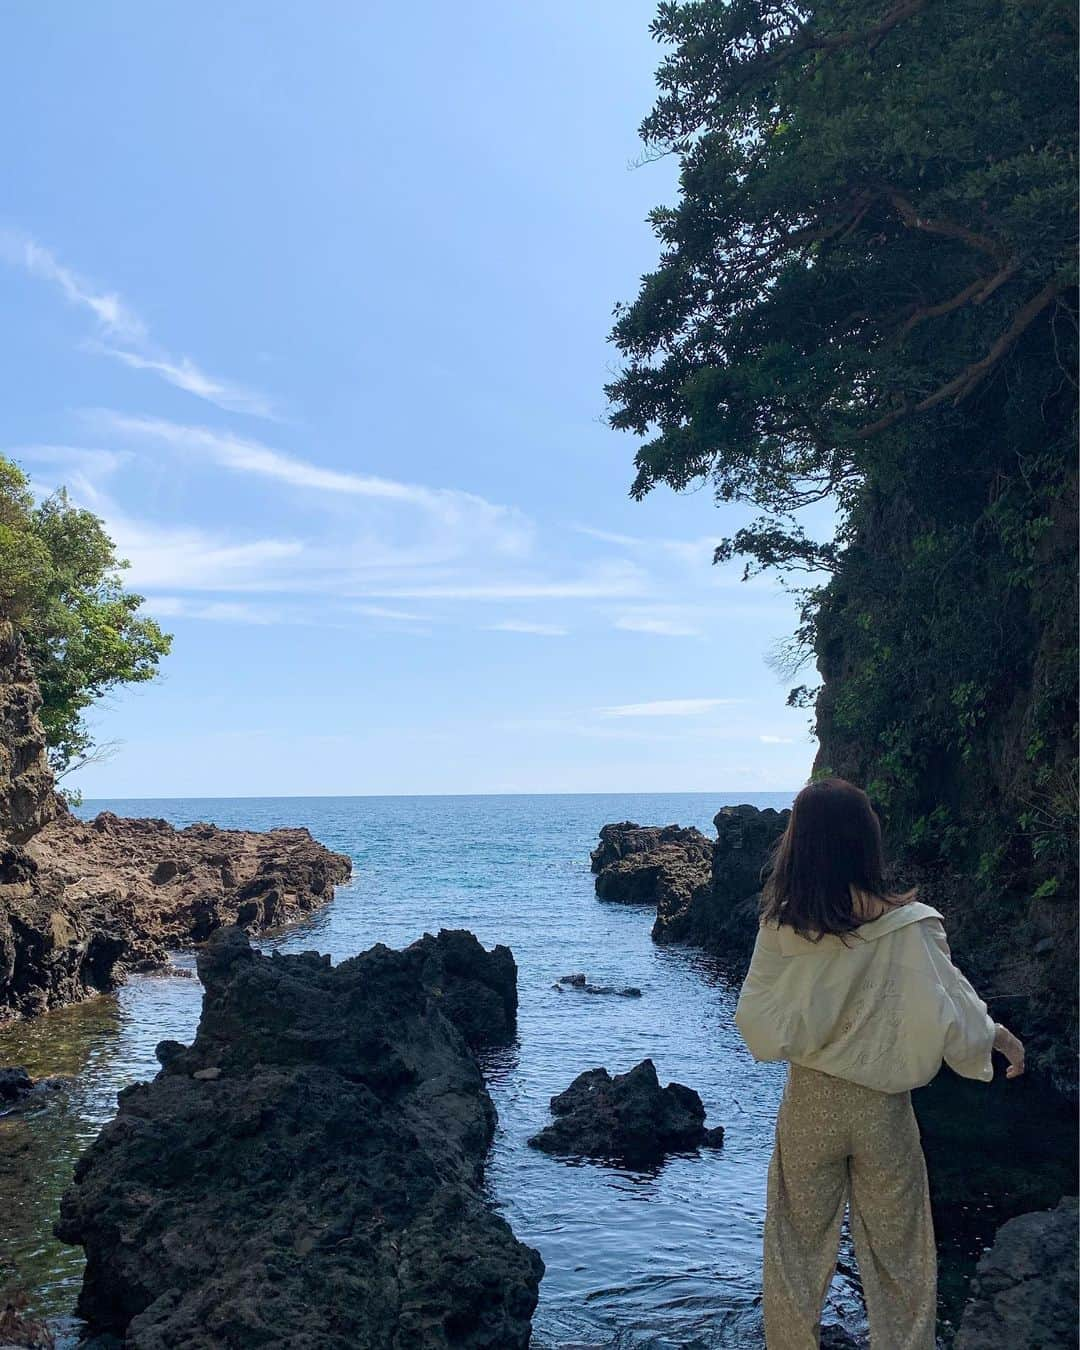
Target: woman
[{"x": 856, "y": 989}]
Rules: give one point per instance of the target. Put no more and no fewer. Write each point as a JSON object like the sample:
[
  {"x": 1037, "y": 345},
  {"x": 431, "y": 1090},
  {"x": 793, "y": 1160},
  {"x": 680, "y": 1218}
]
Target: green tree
[
  {"x": 867, "y": 294},
  {"x": 61, "y": 585}
]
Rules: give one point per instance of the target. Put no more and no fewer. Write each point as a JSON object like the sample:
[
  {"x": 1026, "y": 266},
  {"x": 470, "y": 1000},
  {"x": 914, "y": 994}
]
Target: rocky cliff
[
  {"x": 27, "y": 796},
  {"x": 51, "y": 951},
  {"x": 947, "y": 647},
  {"x": 309, "y": 1172},
  {"x": 705, "y": 893},
  {"x": 82, "y": 903}
]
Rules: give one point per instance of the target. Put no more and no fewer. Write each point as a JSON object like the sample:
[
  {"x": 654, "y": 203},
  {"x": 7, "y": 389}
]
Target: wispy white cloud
[
  {"x": 656, "y": 625},
  {"x": 668, "y": 707},
  {"x": 504, "y": 528},
  {"x": 122, "y": 335},
  {"x": 454, "y": 547},
  {"x": 397, "y": 615},
  {"x": 777, "y": 740},
  {"x": 216, "y": 611},
  {"x": 691, "y": 552},
  {"x": 112, "y": 314},
  {"x": 524, "y": 626},
  {"x": 186, "y": 375},
  {"x": 195, "y": 559},
  {"x": 605, "y": 583}
]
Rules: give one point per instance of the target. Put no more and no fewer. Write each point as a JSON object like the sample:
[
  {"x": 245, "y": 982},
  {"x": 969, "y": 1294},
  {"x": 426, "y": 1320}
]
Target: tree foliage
[
  {"x": 867, "y": 293},
  {"x": 61, "y": 585}
]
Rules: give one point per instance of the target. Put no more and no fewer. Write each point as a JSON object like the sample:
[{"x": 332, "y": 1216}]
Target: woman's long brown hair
[{"x": 832, "y": 843}]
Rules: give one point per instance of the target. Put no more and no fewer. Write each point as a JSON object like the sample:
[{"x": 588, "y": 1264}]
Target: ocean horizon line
[{"x": 369, "y": 796}]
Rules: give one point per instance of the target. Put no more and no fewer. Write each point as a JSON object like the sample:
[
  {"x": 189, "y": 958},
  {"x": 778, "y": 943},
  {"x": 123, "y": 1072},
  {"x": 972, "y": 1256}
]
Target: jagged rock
[
  {"x": 625, "y": 840},
  {"x": 15, "y": 1082},
  {"x": 836, "y": 1337},
  {"x": 628, "y": 1117},
  {"x": 477, "y": 989},
  {"x": 172, "y": 887},
  {"x": 325, "y": 1189},
  {"x": 706, "y": 894},
  {"x": 639, "y": 865},
  {"x": 1025, "y": 1288},
  {"x": 52, "y": 951},
  {"x": 721, "y": 916}
]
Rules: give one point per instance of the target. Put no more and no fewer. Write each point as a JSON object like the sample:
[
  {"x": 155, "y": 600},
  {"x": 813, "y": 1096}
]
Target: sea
[{"x": 659, "y": 1258}]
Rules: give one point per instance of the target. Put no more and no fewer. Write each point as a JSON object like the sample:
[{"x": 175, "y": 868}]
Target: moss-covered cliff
[{"x": 947, "y": 641}]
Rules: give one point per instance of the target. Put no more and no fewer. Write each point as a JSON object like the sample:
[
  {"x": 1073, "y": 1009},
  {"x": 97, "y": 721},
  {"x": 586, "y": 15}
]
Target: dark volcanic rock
[
  {"x": 1025, "y": 1289},
  {"x": 836, "y": 1337},
  {"x": 650, "y": 866},
  {"x": 584, "y": 986},
  {"x": 477, "y": 989},
  {"x": 308, "y": 1173},
  {"x": 625, "y": 840},
  {"x": 706, "y": 894},
  {"x": 721, "y": 916},
  {"x": 15, "y": 1083},
  {"x": 18, "y": 1091},
  {"x": 628, "y": 1117}
]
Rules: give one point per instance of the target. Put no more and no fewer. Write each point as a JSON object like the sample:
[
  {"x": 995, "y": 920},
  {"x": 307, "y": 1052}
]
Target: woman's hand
[{"x": 1012, "y": 1048}]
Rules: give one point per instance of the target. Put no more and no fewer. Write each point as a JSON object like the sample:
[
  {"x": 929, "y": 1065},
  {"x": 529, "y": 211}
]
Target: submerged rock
[
  {"x": 309, "y": 1172},
  {"x": 583, "y": 985},
  {"x": 19, "y": 1091},
  {"x": 627, "y": 1117},
  {"x": 1025, "y": 1288}
]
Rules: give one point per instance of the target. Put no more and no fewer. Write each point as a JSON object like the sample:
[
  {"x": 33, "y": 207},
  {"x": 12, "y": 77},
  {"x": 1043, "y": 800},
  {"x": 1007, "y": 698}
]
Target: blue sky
[{"x": 310, "y": 304}]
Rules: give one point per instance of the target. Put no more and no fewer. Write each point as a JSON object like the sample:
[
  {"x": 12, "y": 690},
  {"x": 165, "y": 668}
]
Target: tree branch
[
  {"x": 809, "y": 41},
  {"x": 960, "y": 386}
]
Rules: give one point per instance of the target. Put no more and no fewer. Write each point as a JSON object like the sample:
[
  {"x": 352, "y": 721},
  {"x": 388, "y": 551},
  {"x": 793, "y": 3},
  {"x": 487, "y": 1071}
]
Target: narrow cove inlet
[{"x": 667, "y": 1256}]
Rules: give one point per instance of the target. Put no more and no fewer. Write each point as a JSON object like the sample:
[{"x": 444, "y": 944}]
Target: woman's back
[{"x": 881, "y": 1006}]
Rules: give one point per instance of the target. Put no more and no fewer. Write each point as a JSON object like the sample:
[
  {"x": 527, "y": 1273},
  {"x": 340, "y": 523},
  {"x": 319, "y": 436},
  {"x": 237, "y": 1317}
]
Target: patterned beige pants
[{"x": 836, "y": 1144}]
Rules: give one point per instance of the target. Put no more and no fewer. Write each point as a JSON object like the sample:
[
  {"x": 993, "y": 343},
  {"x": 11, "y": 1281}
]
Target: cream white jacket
[{"x": 883, "y": 1011}]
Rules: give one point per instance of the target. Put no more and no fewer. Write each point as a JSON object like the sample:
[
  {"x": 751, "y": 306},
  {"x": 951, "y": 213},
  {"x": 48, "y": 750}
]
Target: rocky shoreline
[{"x": 82, "y": 903}]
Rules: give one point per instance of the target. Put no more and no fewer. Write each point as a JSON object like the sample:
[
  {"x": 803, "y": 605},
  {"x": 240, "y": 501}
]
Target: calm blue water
[{"x": 666, "y": 1258}]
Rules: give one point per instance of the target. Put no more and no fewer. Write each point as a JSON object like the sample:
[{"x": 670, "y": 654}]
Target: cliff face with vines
[{"x": 947, "y": 641}]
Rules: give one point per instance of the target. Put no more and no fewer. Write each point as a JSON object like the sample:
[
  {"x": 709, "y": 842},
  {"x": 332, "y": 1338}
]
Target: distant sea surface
[{"x": 664, "y": 1258}]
